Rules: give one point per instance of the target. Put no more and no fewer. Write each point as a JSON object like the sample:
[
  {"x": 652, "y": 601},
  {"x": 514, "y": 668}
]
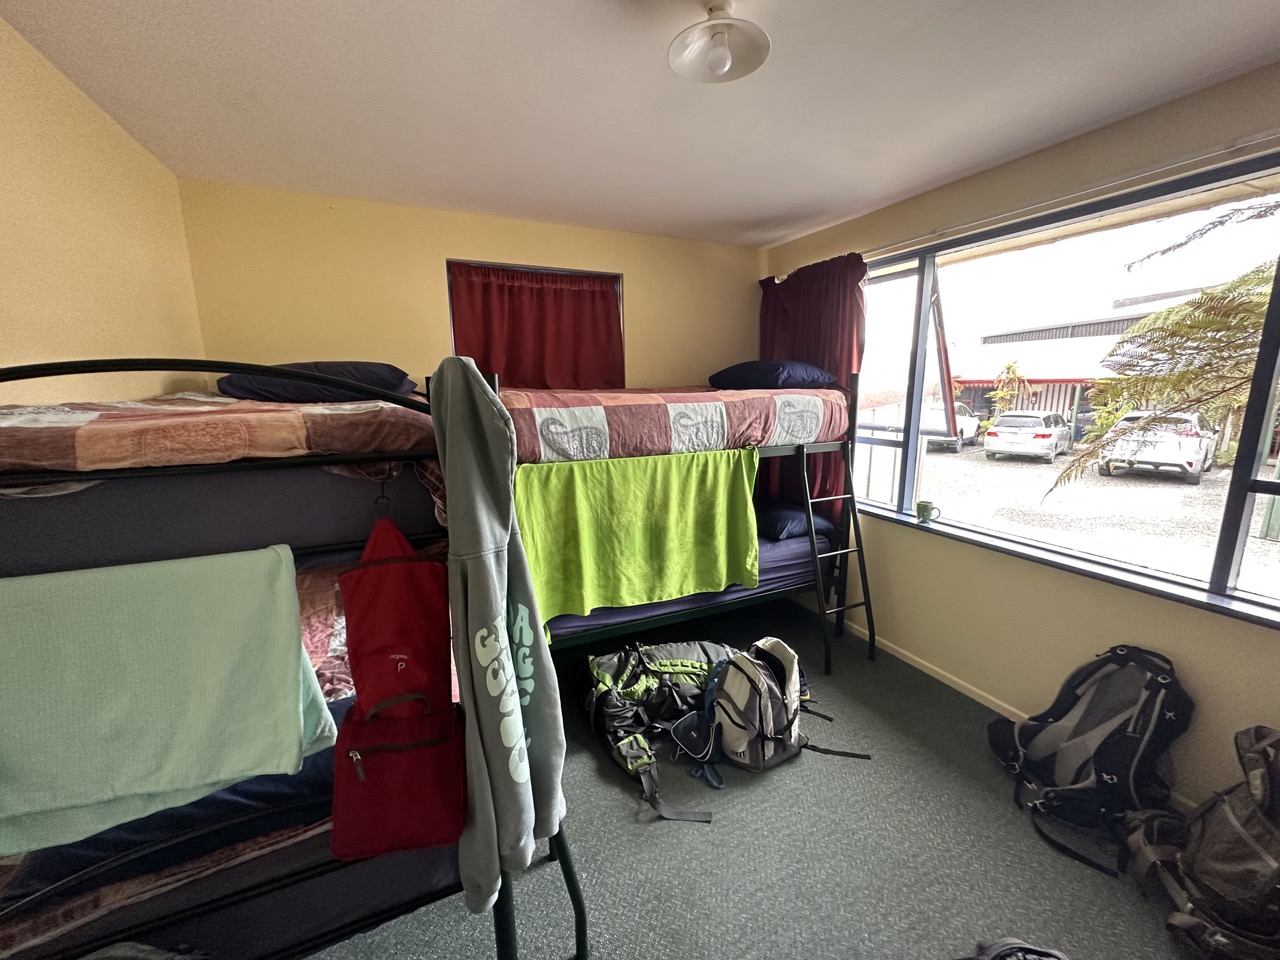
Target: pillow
[
  {"x": 249, "y": 386},
  {"x": 780, "y": 520},
  {"x": 772, "y": 375}
]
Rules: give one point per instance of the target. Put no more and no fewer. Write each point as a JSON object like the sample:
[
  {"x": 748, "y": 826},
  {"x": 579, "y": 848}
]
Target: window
[
  {"x": 1124, "y": 393},
  {"x": 538, "y": 328}
]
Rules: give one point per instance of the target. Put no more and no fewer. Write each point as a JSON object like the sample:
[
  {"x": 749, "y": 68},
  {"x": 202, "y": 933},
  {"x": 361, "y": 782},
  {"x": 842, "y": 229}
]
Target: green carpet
[{"x": 913, "y": 855}]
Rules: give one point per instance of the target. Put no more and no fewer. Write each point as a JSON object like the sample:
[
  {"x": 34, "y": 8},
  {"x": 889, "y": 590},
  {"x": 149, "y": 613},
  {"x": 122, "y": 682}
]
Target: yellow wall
[
  {"x": 93, "y": 258},
  {"x": 283, "y": 276},
  {"x": 933, "y": 596}
]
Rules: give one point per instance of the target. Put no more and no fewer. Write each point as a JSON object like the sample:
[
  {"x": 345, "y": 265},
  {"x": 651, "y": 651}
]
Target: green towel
[
  {"x": 130, "y": 689},
  {"x": 615, "y": 533}
]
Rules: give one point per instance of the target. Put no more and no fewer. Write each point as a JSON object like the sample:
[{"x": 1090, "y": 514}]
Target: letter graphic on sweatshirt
[
  {"x": 500, "y": 682},
  {"x": 522, "y": 640}
]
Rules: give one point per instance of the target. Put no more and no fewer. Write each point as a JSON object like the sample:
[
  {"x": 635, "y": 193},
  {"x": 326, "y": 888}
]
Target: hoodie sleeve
[{"x": 477, "y": 456}]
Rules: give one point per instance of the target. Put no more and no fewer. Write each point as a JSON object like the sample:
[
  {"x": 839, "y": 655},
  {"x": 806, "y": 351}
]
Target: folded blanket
[
  {"x": 135, "y": 688},
  {"x": 615, "y": 533}
]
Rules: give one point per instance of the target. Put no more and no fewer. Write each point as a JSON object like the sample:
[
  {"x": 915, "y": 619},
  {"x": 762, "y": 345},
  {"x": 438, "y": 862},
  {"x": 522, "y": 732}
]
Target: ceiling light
[{"x": 720, "y": 48}]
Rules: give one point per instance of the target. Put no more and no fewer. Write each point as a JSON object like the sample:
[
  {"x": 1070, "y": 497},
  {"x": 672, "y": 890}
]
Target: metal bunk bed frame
[{"x": 504, "y": 919}]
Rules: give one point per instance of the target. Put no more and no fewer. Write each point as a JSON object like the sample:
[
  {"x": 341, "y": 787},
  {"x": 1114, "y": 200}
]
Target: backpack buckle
[{"x": 1013, "y": 766}]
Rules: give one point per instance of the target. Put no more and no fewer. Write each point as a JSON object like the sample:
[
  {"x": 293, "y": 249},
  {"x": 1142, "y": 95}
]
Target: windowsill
[{"x": 1167, "y": 587}]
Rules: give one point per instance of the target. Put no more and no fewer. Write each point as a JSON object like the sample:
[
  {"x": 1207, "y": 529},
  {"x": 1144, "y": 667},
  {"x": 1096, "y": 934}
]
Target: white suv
[{"x": 1183, "y": 444}]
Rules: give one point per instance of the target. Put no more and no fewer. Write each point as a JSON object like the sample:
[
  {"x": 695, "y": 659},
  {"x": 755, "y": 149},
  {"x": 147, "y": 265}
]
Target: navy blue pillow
[
  {"x": 772, "y": 375},
  {"x": 780, "y": 520},
  {"x": 384, "y": 376}
]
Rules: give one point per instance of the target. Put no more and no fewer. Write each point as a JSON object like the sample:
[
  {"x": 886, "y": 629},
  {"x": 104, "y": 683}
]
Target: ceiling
[{"x": 566, "y": 110}]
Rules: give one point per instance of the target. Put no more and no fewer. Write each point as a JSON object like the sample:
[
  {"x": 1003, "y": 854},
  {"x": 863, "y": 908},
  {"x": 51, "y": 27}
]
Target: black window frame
[{"x": 1218, "y": 593}]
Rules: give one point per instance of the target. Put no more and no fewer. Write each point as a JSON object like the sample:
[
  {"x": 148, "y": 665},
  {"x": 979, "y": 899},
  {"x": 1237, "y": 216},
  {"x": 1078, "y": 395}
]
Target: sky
[{"x": 1070, "y": 280}]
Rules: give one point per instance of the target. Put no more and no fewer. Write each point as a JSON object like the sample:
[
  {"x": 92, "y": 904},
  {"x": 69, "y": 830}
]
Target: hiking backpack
[
  {"x": 638, "y": 693},
  {"x": 755, "y": 705},
  {"x": 1011, "y": 949},
  {"x": 1101, "y": 748},
  {"x": 1221, "y": 863}
]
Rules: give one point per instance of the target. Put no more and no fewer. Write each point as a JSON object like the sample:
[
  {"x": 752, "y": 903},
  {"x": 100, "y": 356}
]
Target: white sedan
[{"x": 1028, "y": 433}]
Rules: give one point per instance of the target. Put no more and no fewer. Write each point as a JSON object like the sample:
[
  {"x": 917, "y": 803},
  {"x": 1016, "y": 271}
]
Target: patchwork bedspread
[
  {"x": 558, "y": 425},
  {"x": 199, "y": 428}
]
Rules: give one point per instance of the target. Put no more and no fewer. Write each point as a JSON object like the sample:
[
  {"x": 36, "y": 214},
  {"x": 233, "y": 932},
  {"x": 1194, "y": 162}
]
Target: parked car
[
  {"x": 1183, "y": 444},
  {"x": 1028, "y": 433},
  {"x": 933, "y": 426}
]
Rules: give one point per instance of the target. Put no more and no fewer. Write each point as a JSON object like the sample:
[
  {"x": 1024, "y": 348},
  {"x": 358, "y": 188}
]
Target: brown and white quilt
[
  {"x": 559, "y": 425},
  {"x": 194, "y": 428}
]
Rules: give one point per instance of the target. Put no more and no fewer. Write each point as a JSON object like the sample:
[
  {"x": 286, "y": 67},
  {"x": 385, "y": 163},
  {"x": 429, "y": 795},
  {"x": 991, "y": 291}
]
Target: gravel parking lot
[{"x": 1145, "y": 519}]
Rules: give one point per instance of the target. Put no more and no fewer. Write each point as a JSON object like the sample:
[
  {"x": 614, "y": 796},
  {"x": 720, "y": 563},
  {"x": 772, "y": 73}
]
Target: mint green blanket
[
  {"x": 615, "y": 533},
  {"x": 134, "y": 688}
]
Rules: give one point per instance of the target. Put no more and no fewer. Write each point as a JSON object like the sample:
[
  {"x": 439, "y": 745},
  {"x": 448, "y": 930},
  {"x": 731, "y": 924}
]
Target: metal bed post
[
  {"x": 504, "y": 921},
  {"x": 560, "y": 854}
]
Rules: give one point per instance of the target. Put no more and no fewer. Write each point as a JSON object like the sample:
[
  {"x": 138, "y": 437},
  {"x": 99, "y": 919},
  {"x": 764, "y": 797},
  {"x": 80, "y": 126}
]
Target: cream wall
[
  {"x": 932, "y": 595},
  {"x": 283, "y": 276},
  {"x": 93, "y": 258}
]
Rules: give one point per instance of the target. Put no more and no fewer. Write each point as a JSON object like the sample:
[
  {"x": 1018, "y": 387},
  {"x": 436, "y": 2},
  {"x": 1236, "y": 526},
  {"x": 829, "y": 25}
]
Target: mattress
[
  {"x": 784, "y": 564},
  {"x": 557, "y": 425},
  {"x": 138, "y": 519}
]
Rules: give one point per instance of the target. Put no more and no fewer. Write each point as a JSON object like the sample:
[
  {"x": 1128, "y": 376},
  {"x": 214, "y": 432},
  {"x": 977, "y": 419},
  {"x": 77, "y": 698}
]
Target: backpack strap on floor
[
  {"x": 836, "y": 753},
  {"x": 649, "y": 780}
]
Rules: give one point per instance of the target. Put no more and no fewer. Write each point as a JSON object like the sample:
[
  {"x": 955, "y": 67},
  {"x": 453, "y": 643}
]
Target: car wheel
[
  {"x": 990, "y": 455},
  {"x": 959, "y": 444},
  {"x": 1207, "y": 465},
  {"x": 1104, "y": 470},
  {"x": 1192, "y": 478}
]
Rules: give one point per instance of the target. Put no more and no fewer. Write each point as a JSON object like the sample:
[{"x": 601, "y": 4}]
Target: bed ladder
[{"x": 838, "y": 578}]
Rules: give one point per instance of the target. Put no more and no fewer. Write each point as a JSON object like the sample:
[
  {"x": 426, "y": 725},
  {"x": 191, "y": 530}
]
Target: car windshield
[{"x": 1020, "y": 422}]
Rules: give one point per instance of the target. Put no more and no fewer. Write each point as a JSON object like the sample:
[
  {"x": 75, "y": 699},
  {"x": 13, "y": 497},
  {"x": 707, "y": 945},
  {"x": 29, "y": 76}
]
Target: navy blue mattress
[{"x": 783, "y": 564}]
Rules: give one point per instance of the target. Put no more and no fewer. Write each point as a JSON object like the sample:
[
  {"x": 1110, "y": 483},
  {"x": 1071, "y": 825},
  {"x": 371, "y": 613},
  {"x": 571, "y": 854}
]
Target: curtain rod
[{"x": 1241, "y": 151}]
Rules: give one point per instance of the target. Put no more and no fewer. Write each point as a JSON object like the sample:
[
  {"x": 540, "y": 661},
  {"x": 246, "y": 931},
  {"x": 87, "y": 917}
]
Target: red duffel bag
[{"x": 399, "y": 763}]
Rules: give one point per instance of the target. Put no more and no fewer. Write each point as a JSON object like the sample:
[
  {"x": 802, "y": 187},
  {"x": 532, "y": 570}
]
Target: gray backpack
[
  {"x": 1011, "y": 949},
  {"x": 1221, "y": 864},
  {"x": 756, "y": 706}
]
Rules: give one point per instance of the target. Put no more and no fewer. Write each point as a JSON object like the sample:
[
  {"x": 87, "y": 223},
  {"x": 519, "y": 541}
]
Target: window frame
[{"x": 1218, "y": 593}]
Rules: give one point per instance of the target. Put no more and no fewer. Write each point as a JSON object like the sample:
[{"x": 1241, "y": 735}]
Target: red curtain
[
  {"x": 538, "y": 330},
  {"x": 818, "y": 315}
]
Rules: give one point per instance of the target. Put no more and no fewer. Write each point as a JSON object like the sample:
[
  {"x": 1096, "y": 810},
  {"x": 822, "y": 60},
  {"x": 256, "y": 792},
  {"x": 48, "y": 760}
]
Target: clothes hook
[{"x": 382, "y": 503}]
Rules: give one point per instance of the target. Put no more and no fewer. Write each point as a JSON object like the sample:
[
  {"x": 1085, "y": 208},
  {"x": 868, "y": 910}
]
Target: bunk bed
[
  {"x": 553, "y": 426},
  {"x": 246, "y": 871}
]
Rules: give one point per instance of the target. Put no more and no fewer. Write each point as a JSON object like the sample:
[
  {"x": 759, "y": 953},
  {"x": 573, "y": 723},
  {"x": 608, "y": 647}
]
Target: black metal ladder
[{"x": 837, "y": 579}]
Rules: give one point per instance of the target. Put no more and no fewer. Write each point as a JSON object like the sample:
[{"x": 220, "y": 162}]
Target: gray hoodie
[{"x": 515, "y": 734}]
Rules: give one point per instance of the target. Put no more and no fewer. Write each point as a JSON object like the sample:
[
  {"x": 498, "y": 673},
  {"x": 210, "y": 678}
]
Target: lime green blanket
[{"x": 615, "y": 533}]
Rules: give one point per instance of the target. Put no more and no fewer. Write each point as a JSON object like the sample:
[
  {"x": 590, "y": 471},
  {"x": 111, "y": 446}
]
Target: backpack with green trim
[{"x": 638, "y": 693}]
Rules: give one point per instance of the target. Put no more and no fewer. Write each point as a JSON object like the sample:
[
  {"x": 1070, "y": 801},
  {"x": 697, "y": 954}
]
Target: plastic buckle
[{"x": 1013, "y": 766}]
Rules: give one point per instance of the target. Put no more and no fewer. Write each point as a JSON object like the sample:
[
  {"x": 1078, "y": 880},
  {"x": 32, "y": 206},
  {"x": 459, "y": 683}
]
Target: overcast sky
[{"x": 1071, "y": 280}]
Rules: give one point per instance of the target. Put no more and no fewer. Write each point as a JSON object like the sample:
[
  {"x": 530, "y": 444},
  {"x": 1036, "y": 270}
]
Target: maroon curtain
[
  {"x": 538, "y": 330},
  {"x": 818, "y": 315}
]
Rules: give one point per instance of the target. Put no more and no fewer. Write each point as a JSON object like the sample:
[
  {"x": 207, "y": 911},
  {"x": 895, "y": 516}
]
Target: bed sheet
[{"x": 556, "y": 425}]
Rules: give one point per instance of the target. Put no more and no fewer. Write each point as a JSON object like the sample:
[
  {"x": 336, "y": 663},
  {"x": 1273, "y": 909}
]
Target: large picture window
[{"x": 1097, "y": 386}]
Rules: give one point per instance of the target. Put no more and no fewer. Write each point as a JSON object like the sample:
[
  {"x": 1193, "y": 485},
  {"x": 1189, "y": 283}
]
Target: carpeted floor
[{"x": 913, "y": 855}]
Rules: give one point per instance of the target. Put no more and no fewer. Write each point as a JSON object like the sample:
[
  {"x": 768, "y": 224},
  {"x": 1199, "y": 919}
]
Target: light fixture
[{"x": 720, "y": 48}]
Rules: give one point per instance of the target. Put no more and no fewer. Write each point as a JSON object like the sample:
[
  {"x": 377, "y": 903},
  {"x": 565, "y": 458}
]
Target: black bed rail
[{"x": 65, "y": 368}]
